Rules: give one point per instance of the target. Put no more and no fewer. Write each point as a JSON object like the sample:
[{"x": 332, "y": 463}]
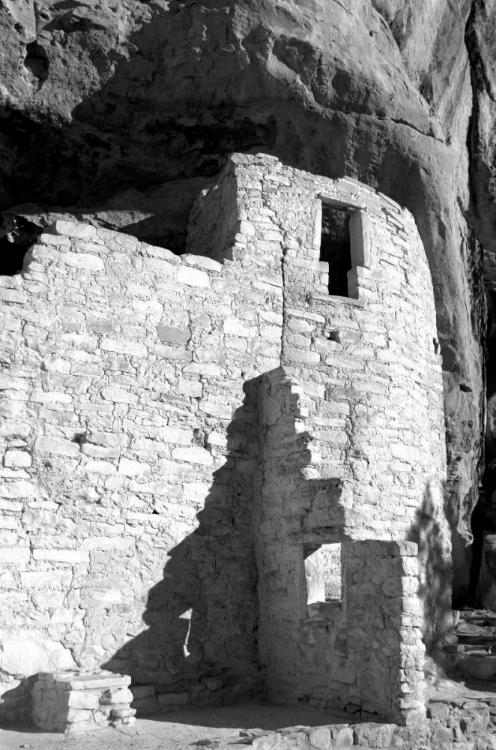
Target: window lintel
[{"x": 349, "y": 206}]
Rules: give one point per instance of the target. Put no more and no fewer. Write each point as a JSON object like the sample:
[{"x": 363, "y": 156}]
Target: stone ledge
[
  {"x": 454, "y": 722},
  {"x": 71, "y": 701}
]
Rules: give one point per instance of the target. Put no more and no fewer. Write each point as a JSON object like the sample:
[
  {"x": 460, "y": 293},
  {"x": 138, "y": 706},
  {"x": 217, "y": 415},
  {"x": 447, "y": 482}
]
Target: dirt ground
[{"x": 209, "y": 728}]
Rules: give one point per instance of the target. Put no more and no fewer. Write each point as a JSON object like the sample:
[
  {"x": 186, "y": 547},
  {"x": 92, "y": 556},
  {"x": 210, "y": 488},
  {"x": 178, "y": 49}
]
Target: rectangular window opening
[
  {"x": 335, "y": 247},
  {"x": 323, "y": 577}
]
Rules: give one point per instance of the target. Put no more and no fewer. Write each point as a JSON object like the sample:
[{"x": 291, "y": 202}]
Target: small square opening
[
  {"x": 323, "y": 573},
  {"x": 335, "y": 247}
]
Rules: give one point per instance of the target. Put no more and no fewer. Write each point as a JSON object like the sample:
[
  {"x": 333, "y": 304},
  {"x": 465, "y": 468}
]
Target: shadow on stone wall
[
  {"x": 435, "y": 589},
  {"x": 202, "y": 617},
  {"x": 15, "y": 705}
]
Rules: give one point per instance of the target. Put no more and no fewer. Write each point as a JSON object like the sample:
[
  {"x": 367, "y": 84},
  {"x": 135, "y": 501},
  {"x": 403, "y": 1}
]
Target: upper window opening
[{"x": 335, "y": 247}]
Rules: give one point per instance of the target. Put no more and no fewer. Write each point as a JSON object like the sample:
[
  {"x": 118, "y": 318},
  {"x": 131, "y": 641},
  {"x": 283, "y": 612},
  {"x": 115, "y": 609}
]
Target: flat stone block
[
  {"x": 71, "y": 229},
  {"x": 192, "y": 277},
  {"x": 320, "y": 738},
  {"x": 342, "y": 736},
  {"x": 57, "y": 447},
  {"x": 79, "y": 714},
  {"x": 170, "y": 335},
  {"x": 273, "y": 741},
  {"x": 93, "y": 681},
  {"x": 197, "y": 260},
  {"x": 116, "y": 697},
  {"x": 374, "y": 735},
  {"x": 83, "y": 261},
  {"x": 16, "y": 458},
  {"x": 83, "y": 699}
]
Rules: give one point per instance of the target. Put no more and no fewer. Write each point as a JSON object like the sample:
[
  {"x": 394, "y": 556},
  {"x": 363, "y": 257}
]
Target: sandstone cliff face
[{"x": 119, "y": 112}]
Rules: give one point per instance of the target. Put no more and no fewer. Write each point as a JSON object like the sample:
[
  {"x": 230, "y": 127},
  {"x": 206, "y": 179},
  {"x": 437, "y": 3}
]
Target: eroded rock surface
[{"x": 105, "y": 106}]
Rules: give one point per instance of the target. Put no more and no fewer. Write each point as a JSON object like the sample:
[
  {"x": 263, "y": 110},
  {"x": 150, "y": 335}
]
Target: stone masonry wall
[
  {"x": 380, "y": 637},
  {"x": 134, "y": 424},
  {"x": 127, "y": 447},
  {"x": 363, "y": 653},
  {"x": 351, "y": 425}
]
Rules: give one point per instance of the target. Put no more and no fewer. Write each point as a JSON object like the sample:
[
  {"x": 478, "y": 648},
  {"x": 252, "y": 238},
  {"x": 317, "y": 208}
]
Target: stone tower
[{"x": 180, "y": 433}]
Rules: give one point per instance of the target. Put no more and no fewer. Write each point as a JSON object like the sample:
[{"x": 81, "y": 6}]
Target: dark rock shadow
[
  {"x": 202, "y": 617},
  {"x": 435, "y": 589},
  {"x": 158, "y": 112}
]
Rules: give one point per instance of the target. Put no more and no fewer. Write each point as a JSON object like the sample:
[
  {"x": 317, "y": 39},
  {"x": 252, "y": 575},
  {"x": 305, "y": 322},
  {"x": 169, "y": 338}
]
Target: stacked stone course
[
  {"x": 70, "y": 702},
  {"x": 211, "y": 415},
  {"x": 459, "y": 724}
]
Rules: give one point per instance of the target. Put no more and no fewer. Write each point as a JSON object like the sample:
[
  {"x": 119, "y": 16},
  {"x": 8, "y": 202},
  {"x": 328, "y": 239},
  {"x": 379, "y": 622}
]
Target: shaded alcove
[{"x": 436, "y": 578}]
